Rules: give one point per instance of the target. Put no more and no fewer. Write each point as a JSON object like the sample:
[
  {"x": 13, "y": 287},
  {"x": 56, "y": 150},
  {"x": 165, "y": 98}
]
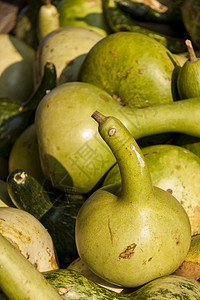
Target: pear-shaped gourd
[
  {"x": 188, "y": 81},
  {"x": 29, "y": 236},
  {"x": 132, "y": 67},
  {"x": 131, "y": 233},
  {"x": 66, "y": 47},
  {"x": 168, "y": 166}
]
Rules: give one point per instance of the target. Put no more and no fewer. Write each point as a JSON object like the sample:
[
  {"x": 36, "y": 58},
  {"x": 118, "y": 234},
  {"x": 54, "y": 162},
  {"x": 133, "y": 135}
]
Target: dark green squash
[
  {"x": 118, "y": 20},
  {"x": 56, "y": 211},
  {"x": 72, "y": 285}
]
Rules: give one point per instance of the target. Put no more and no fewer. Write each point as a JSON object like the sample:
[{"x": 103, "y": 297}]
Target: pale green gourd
[
  {"x": 48, "y": 19},
  {"x": 188, "y": 81},
  {"x": 131, "y": 233}
]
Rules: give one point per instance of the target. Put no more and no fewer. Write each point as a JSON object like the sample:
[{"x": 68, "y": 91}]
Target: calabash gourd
[
  {"x": 73, "y": 156},
  {"x": 175, "y": 170},
  {"x": 131, "y": 233}
]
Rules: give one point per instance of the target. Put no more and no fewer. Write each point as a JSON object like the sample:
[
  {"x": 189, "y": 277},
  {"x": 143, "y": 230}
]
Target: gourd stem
[
  {"x": 135, "y": 176},
  {"x": 192, "y": 56},
  {"x": 19, "y": 279}
]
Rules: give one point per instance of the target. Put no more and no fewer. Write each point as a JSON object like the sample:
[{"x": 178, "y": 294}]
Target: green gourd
[
  {"x": 83, "y": 13},
  {"x": 188, "y": 81},
  {"x": 48, "y": 19},
  {"x": 168, "y": 166},
  {"x": 19, "y": 279},
  {"x": 73, "y": 156},
  {"x": 133, "y": 232},
  {"x": 132, "y": 67}
]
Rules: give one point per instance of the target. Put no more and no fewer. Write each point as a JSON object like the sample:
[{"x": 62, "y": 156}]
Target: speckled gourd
[{"x": 131, "y": 233}]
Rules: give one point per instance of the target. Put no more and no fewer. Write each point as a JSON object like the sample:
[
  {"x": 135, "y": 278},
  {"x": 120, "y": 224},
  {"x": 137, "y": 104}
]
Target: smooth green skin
[
  {"x": 25, "y": 155},
  {"x": 129, "y": 236},
  {"x": 191, "y": 20},
  {"x": 188, "y": 81},
  {"x": 173, "y": 169},
  {"x": 16, "y": 68},
  {"x": 66, "y": 47},
  {"x": 72, "y": 154},
  {"x": 19, "y": 279},
  {"x": 194, "y": 251},
  {"x": 84, "y": 13},
  {"x": 133, "y": 68}
]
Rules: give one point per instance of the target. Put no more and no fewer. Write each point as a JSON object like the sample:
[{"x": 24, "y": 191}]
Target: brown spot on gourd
[
  {"x": 129, "y": 153},
  {"x": 150, "y": 258},
  {"x": 126, "y": 76},
  {"x": 141, "y": 71},
  {"x": 170, "y": 191},
  {"x": 104, "y": 98},
  {"x": 113, "y": 53},
  {"x": 128, "y": 252},
  {"x": 178, "y": 167}
]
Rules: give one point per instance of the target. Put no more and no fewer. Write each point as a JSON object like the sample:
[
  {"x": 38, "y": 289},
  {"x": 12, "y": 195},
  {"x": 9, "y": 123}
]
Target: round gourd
[
  {"x": 66, "y": 47},
  {"x": 135, "y": 69},
  {"x": 29, "y": 236}
]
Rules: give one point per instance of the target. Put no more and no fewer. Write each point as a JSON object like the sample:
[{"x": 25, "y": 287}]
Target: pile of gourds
[{"x": 99, "y": 151}]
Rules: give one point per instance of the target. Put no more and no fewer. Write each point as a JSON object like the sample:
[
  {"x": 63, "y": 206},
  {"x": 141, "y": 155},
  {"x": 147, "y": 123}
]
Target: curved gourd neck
[{"x": 135, "y": 176}]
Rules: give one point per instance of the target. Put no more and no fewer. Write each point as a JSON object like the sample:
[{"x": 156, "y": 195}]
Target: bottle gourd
[{"x": 131, "y": 233}]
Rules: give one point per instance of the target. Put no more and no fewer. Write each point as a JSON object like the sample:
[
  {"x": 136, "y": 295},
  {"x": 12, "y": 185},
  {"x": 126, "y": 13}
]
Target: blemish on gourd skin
[
  {"x": 128, "y": 252},
  {"x": 110, "y": 231},
  {"x": 139, "y": 157}
]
